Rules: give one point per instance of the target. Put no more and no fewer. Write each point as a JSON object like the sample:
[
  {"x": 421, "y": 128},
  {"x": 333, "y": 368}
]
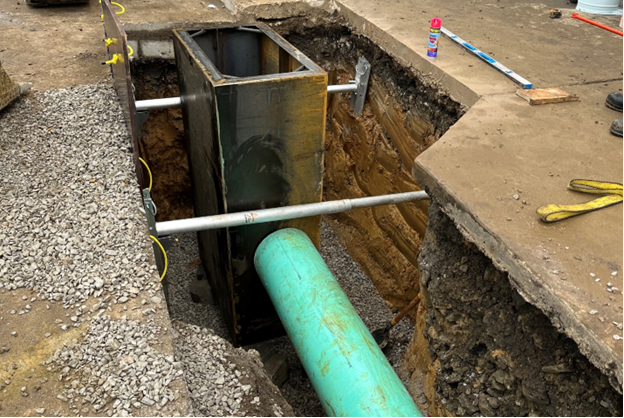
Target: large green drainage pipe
[{"x": 348, "y": 370}]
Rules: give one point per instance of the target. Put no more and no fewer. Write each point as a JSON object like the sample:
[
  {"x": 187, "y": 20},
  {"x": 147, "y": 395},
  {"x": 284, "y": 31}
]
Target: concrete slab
[
  {"x": 275, "y": 9},
  {"x": 503, "y": 147},
  {"x": 548, "y": 52}
]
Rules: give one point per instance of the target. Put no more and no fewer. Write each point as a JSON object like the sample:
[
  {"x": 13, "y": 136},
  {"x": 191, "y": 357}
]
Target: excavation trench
[
  {"x": 367, "y": 155},
  {"x": 454, "y": 363}
]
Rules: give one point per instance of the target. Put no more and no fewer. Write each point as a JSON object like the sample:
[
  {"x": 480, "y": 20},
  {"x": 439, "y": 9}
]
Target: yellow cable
[
  {"x": 131, "y": 51},
  {"x": 148, "y": 172},
  {"x": 162, "y": 276},
  {"x": 122, "y": 11}
]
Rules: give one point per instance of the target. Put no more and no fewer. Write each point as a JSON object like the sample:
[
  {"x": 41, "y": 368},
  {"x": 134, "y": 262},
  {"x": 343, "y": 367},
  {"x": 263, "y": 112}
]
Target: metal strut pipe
[
  {"x": 168, "y": 102},
  {"x": 280, "y": 214},
  {"x": 342, "y": 88},
  {"x": 349, "y": 372},
  {"x": 152, "y": 104}
]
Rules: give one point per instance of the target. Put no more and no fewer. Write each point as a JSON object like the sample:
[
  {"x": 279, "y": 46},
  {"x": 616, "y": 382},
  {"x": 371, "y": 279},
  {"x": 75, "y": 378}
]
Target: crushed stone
[
  {"x": 115, "y": 368},
  {"x": 71, "y": 225},
  {"x": 72, "y": 229}
]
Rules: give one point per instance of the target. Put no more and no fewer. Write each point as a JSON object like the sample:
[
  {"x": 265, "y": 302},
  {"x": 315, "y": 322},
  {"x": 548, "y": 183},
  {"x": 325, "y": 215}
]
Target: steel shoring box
[{"x": 254, "y": 118}]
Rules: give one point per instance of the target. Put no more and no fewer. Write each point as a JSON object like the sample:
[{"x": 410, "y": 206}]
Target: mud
[{"x": 494, "y": 354}]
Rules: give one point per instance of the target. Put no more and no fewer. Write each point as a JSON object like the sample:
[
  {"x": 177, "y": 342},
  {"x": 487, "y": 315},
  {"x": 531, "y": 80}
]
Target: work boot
[
  {"x": 616, "y": 127},
  {"x": 614, "y": 101}
]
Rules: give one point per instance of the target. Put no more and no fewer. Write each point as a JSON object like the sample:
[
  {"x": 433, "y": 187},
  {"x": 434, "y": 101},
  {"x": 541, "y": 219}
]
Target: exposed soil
[
  {"x": 495, "y": 354},
  {"x": 373, "y": 154},
  {"x": 367, "y": 155},
  {"x": 162, "y": 140}
]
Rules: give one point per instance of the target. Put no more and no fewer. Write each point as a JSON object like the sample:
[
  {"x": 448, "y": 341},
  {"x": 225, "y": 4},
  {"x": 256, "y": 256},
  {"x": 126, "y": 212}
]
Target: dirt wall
[
  {"x": 162, "y": 140},
  {"x": 492, "y": 353},
  {"x": 373, "y": 154}
]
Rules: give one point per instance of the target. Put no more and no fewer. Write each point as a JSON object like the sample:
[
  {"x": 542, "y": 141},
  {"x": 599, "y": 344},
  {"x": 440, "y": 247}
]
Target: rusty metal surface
[
  {"x": 9, "y": 90},
  {"x": 270, "y": 138},
  {"x": 203, "y": 148},
  {"x": 121, "y": 78}
]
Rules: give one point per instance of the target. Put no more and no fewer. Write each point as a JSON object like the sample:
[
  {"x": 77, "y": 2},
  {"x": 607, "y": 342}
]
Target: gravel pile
[
  {"x": 72, "y": 229},
  {"x": 183, "y": 261},
  {"x": 70, "y": 220},
  {"x": 212, "y": 380},
  {"x": 115, "y": 367}
]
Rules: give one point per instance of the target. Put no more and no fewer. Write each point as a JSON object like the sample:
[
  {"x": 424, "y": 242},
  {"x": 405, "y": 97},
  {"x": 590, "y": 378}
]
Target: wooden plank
[{"x": 546, "y": 96}]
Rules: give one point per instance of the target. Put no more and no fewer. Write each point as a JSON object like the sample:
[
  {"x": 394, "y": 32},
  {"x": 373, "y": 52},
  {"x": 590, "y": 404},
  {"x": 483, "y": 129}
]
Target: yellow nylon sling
[{"x": 554, "y": 213}]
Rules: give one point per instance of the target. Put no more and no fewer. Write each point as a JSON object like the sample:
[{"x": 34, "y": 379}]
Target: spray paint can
[{"x": 434, "y": 36}]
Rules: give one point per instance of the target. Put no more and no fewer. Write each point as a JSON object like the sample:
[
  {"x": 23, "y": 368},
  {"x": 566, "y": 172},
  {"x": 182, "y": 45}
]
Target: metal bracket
[
  {"x": 140, "y": 117},
  {"x": 362, "y": 74},
  {"x": 150, "y": 215}
]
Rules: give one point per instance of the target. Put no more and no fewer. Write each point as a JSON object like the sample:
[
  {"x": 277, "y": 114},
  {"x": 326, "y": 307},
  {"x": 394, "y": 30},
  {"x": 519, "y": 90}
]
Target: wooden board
[{"x": 545, "y": 96}]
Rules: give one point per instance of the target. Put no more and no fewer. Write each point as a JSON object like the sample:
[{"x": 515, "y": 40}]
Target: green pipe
[{"x": 346, "y": 367}]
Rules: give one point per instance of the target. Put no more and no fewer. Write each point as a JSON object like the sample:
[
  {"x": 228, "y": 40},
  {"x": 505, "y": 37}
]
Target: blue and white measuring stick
[{"x": 526, "y": 84}]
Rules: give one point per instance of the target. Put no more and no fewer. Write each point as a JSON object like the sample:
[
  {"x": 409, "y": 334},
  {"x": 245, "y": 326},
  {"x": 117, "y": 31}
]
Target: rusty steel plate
[
  {"x": 254, "y": 120},
  {"x": 121, "y": 77}
]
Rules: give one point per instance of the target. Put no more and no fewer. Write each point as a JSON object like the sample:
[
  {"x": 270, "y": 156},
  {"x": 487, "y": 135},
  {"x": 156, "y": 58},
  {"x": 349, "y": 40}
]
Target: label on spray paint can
[{"x": 434, "y": 37}]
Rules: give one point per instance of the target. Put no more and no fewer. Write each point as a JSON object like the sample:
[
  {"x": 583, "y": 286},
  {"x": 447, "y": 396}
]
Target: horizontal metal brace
[
  {"x": 154, "y": 104},
  {"x": 342, "y": 88},
  {"x": 280, "y": 214}
]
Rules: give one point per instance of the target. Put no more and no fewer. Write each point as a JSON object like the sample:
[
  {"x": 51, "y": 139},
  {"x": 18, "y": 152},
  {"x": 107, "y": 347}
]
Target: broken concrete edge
[
  {"x": 274, "y": 9},
  {"x": 522, "y": 278}
]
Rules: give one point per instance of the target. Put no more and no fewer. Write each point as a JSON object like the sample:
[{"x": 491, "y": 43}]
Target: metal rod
[
  {"x": 157, "y": 103},
  {"x": 249, "y": 29},
  {"x": 280, "y": 214},
  {"x": 201, "y": 32},
  {"x": 175, "y": 101},
  {"x": 342, "y": 88}
]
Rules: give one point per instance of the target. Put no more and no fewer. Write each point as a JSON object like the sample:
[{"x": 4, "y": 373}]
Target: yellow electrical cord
[
  {"x": 122, "y": 11},
  {"x": 148, "y": 172},
  {"x": 110, "y": 41},
  {"x": 130, "y": 50},
  {"x": 162, "y": 276}
]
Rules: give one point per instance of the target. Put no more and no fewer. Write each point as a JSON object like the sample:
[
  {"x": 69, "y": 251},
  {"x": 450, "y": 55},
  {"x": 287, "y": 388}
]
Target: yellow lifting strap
[{"x": 554, "y": 213}]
